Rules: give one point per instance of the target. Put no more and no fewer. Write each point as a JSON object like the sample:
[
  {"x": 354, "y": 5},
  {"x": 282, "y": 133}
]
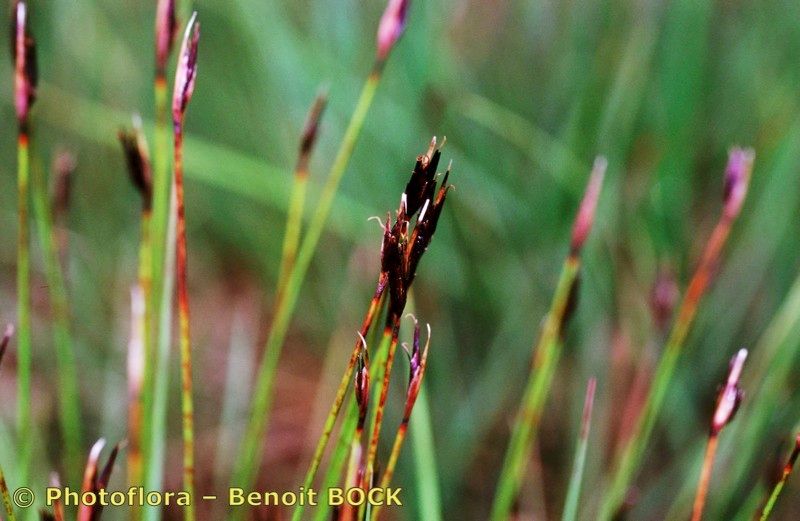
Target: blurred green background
[{"x": 527, "y": 93}]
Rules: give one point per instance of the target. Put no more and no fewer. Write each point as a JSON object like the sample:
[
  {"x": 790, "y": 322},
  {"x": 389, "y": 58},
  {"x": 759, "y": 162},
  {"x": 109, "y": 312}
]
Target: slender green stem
[
  {"x": 251, "y": 448},
  {"x": 374, "y": 309},
  {"x": 338, "y": 458},
  {"x": 424, "y": 449},
  {"x": 24, "y": 426},
  {"x": 576, "y": 478},
  {"x": 68, "y": 393},
  {"x": 159, "y": 306},
  {"x": 778, "y": 488},
  {"x": 633, "y": 452},
  {"x": 548, "y": 351},
  {"x": 9, "y": 506}
]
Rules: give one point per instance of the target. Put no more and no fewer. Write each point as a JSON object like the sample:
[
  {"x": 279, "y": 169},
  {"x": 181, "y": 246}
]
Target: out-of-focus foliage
[{"x": 527, "y": 93}]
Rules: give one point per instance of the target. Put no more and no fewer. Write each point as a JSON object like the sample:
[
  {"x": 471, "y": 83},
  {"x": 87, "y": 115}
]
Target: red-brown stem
[
  {"x": 183, "y": 321},
  {"x": 393, "y": 324},
  {"x": 705, "y": 478}
]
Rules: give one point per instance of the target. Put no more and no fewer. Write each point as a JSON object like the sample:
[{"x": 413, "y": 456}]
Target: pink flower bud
[
  {"x": 391, "y": 27},
  {"x": 731, "y": 395},
  {"x": 25, "y": 73},
  {"x": 166, "y": 27},
  {"x": 737, "y": 178},
  {"x": 585, "y": 217},
  {"x": 187, "y": 70}
]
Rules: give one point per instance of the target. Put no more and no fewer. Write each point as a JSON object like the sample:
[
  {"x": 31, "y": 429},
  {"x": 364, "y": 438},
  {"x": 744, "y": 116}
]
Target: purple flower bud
[
  {"x": 361, "y": 383},
  {"x": 187, "y": 70},
  {"x": 137, "y": 156},
  {"x": 585, "y": 217},
  {"x": 737, "y": 179},
  {"x": 25, "y": 70},
  {"x": 731, "y": 395},
  {"x": 418, "y": 361},
  {"x": 166, "y": 27},
  {"x": 391, "y": 27}
]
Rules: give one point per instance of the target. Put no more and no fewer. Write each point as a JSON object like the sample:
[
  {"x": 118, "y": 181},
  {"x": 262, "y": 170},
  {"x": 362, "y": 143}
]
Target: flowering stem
[
  {"x": 631, "y": 457},
  {"x": 251, "y": 448},
  {"x": 776, "y": 490},
  {"x": 574, "y": 489},
  {"x": 23, "y": 310}
]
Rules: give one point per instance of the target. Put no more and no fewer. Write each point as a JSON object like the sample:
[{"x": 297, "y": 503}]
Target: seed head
[
  {"x": 137, "y": 157},
  {"x": 731, "y": 394},
  {"x": 391, "y": 27},
  {"x": 166, "y": 27},
  {"x": 187, "y": 70},
  {"x": 585, "y": 217},
  {"x": 737, "y": 179},
  {"x": 25, "y": 69}
]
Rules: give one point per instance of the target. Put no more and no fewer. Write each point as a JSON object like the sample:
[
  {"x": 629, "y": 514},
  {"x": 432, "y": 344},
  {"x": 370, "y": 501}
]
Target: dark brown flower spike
[
  {"x": 402, "y": 250},
  {"x": 9, "y": 332},
  {"x": 392, "y": 26},
  {"x": 187, "y": 70},
  {"x": 166, "y": 27},
  {"x": 95, "y": 480},
  {"x": 137, "y": 157},
  {"x": 25, "y": 69}
]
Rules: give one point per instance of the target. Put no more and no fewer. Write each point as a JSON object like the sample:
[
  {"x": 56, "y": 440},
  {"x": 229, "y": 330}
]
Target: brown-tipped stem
[
  {"x": 294, "y": 218},
  {"x": 166, "y": 28},
  {"x": 546, "y": 355},
  {"x": 778, "y": 488},
  {"x": 737, "y": 177},
  {"x": 136, "y": 363},
  {"x": 730, "y": 396},
  {"x": 391, "y": 27},
  {"x": 418, "y": 361},
  {"x": 184, "y": 87},
  {"x": 95, "y": 479},
  {"x": 7, "y": 334}
]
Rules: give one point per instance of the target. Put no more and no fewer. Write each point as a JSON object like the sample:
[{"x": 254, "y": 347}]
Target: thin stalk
[
  {"x": 24, "y": 426},
  {"x": 68, "y": 393},
  {"x": 294, "y": 217},
  {"x": 547, "y": 354},
  {"x": 778, "y": 488},
  {"x": 251, "y": 448},
  {"x": 330, "y": 420},
  {"x": 136, "y": 363},
  {"x": 185, "y": 77},
  {"x": 383, "y": 376},
  {"x": 159, "y": 304},
  {"x": 576, "y": 478},
  {"x": 737, "y": 179},
  {"x": 705, "y": 477},
  {"x": 427, "y": 475},
  {"x": 338, "y": 458}
]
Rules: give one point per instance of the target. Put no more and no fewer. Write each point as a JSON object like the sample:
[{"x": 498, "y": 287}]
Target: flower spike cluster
[
  {"x": 730, "y": 397},
  {"x": 417, "y": 362},
  {"x": 187, "y": 70},
  {"x": 404, "y": 244}
]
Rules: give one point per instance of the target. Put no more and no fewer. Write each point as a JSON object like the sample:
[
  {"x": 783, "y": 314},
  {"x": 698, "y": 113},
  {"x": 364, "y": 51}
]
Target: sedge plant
[
  {"x": 401, "y": 250},
  {"x": 25, "y": 79},
  {"x": 390, "y": 30},
  {"x": 737, "y": 179},
  {"x": 728, "y": 401},
  {"x": 184, "y": 87},
  {"x": 546, "y": 354}
]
